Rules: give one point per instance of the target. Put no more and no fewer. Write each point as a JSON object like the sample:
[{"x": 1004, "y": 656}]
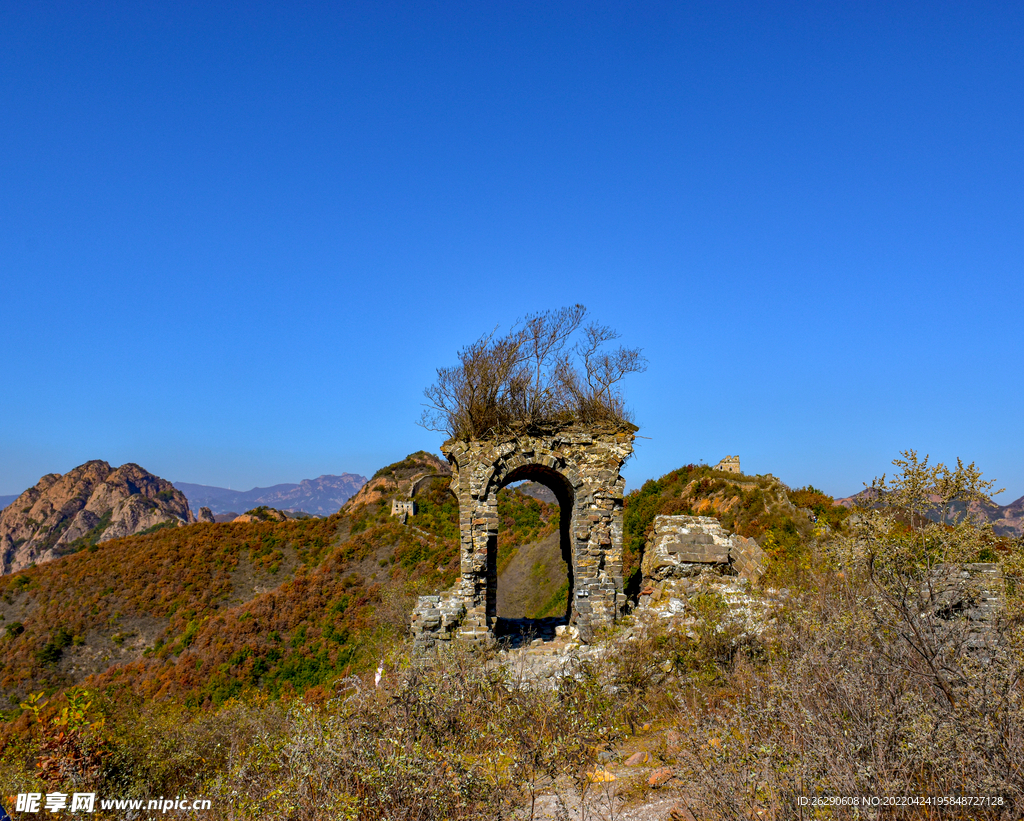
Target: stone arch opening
[
  {"x": 508, "y": 620},
  {"x": 582, "y": 464}
]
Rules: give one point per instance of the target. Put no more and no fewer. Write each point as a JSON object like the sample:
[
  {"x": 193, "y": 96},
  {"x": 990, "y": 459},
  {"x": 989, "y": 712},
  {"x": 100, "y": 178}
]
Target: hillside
[
  {"x": 208, "y": 610},
  {"x": 533, "y": 578},
  {"x": 204, "y": 612},
  {"x": 237, "y": 660},
  {"x": 91, "y": 504},
  {"x": 323, "y": 496},
  {"x": 756, "y": 507}
]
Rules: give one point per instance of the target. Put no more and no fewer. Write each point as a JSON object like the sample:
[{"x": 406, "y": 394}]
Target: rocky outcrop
[
  {"x": 403, "y": 479},
  {"x": 92, "y": 503},
  {"x": 372, "y": 492},
  {"x": 262, "y": 514},
  {"x": 205, "y": 515}
]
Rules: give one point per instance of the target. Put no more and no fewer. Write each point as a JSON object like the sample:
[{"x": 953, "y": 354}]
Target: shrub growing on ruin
[{"x": 550, "y": 368}]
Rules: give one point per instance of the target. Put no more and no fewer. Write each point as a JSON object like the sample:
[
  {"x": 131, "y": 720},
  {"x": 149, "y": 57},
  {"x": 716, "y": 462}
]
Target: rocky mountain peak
[{"x": 91, "y": 503}]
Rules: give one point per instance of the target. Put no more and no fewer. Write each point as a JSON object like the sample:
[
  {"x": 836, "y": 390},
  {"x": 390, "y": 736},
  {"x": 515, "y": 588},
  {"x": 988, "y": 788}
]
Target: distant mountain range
[
  {"x": 322, "y": 496},
  {"x": 95, "y": 503},
  {"x": 1007, "y": 520}
]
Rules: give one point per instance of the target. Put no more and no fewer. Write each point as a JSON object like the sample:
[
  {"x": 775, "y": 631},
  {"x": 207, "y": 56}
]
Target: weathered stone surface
[
  {"x": 682, "y": 546},
  {"x": 697, "y": 547},
  {"x": 975, "y": 592},
  {"x": 93, "y": 502},
  {"x": 581, "y": 465},
  {"x": 436, "y": 618},
  {"x": 660, "y": 776},
  {"x": 690, "y": 556},
  {"x": 747, "y": 558}
]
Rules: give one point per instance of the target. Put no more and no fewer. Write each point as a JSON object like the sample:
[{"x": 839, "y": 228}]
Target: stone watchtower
[
  {"x": 730, "y": 464},
  {"x": 581, "y": 464}
]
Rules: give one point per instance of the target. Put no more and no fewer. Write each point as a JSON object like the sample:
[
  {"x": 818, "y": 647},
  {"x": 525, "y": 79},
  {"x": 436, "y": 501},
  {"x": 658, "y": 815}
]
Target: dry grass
[{"x": 867, "y": 684}]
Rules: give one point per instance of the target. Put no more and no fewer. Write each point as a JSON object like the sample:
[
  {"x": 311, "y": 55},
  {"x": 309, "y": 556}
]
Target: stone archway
[{"x": 585, "y": 462}]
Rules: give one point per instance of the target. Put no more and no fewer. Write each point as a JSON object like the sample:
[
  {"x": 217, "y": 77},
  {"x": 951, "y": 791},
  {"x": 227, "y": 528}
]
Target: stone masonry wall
[
  {"x": 581, "y": 464},
  {"x": 691, "y": 555},
  {"x": 436, "y": 619},
  {"x": 683, "y": 546},
  {"x": 975, "y": 592},
  {"x": 730, "y": 464}
]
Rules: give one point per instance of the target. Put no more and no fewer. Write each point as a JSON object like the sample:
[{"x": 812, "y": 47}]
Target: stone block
[
  {"x": 700, "y": 553},
  {"x": 747, "y": 557}
]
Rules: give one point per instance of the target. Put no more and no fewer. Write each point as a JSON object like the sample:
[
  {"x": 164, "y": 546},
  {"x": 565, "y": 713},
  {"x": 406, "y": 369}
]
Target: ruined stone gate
[{"x": 581, "y": 464}]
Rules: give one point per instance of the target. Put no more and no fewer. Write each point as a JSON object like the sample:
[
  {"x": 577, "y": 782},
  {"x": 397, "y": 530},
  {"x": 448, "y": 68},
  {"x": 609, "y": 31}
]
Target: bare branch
[{"x": 531, "y": 376}]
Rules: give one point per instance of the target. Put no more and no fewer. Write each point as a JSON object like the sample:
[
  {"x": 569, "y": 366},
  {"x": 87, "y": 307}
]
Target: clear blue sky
[{"x": 237, "y": 239}]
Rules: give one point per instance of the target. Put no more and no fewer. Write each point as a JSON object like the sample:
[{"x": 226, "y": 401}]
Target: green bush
[{"x": 51, "y": 652}]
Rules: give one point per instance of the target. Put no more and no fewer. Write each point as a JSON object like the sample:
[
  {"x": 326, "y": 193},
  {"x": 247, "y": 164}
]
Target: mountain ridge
[
  {"x": 323, "y": 496},
  {"x": 1006, "y": 520}
]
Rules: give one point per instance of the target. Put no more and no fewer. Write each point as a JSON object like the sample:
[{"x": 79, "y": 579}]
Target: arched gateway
[{"x": 581, "y": 464}]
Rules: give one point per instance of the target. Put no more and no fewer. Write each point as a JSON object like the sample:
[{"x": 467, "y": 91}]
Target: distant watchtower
[
  {"x": 581, "y": 464},
  {"x": 403, "y": 508},
  {"x": 730, "y": 464}
]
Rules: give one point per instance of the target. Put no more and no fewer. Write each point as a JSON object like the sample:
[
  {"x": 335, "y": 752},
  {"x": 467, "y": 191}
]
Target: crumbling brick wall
[{"x": 582, "y": 465}]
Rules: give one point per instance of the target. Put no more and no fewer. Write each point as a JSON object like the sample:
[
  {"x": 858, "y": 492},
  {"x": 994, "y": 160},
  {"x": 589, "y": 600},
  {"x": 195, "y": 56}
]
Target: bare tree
[
  {"x": 594, "y": 389},
  {"x": 546, "y": 335},
  {"x": 479, "y": 393},
  {"x": 531, "y": 376}
]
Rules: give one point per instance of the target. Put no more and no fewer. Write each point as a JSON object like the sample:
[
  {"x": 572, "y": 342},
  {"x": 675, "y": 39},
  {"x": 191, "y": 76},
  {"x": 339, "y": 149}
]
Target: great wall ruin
[
  {"x": 581, "y": 465},
  {"x": 683, "y": 557}
]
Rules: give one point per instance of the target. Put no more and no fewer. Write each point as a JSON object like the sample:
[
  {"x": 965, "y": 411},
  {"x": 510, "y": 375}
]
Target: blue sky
[{"x": 237, "y": 239}]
